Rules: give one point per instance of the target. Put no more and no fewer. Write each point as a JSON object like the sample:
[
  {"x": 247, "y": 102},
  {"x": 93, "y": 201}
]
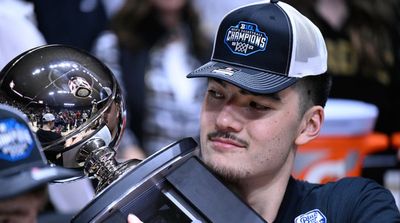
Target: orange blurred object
[
  {"x": 328, "y": 158},
  {"x": 396, "y": 140}
]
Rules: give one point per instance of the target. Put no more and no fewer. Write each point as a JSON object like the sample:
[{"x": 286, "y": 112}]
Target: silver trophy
[{"x": 72, "y": 94}]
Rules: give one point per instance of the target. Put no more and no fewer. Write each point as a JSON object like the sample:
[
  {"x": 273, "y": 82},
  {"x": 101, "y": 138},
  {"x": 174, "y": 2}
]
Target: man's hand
[{"x": 133, "y": 219}]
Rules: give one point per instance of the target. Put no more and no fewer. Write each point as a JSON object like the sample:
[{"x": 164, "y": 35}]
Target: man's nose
[{"x": 228, "y": 119}]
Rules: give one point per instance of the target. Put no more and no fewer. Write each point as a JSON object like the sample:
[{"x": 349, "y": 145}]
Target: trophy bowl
[{"x": 72, "y": 88}]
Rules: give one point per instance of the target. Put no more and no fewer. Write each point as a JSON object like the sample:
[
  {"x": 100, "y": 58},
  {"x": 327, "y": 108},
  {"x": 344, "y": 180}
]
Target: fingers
[{"x": 133, "y": 219}]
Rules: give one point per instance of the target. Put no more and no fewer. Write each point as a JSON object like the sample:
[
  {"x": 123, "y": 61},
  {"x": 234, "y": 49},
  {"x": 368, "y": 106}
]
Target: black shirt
[
  {"x": 347, "y": 200},
  {"x": 47, "y": 136}
]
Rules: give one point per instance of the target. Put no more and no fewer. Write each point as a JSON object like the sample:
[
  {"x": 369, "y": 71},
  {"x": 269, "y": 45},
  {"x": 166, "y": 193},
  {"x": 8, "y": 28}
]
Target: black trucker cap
[{"x": 265, "y": 47}]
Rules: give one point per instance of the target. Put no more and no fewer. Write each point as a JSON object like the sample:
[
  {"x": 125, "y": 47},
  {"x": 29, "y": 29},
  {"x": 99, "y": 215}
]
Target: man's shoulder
[
  {"x": 354, "y": 184},
  {"x": 349, "y": 191},
  {"x": 347, "y": 200},
  {"x": 39, "y": 131},
  {"x": 44, "y": 133},
  {"x": 347, "y": 185}
]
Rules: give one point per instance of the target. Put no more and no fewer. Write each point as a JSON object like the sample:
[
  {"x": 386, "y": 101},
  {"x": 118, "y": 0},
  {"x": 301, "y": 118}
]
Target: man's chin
[
  {"x": 227, "y": 174},
  {"x": 223, "y": 165}
]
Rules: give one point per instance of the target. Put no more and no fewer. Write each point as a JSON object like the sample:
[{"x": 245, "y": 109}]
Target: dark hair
[
  {"x": 137, "y": 25},
  {"x": 314, "y": 90}
]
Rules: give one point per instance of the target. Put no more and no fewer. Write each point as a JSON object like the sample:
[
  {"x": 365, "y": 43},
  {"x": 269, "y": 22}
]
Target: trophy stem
[{"x": 101, "y": 163}]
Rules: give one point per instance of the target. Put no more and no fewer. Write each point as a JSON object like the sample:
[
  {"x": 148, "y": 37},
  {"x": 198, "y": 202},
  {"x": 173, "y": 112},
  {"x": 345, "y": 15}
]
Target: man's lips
[
  {"x": 223, "y": 141},
  {"x": 225, "y": 144}
]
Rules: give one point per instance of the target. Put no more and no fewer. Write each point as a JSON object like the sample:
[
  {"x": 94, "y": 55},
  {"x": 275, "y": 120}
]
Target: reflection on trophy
[
  {"x": 80, "y": 95},
  {"x": 79, "y": 87}
]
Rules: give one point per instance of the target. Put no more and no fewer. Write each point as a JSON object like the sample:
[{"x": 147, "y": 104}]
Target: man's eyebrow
[{"x": 273, "y": 96}]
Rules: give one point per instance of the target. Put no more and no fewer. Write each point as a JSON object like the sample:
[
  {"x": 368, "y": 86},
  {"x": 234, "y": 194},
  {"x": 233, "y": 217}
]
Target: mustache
[{"x": 227, "y": 135}]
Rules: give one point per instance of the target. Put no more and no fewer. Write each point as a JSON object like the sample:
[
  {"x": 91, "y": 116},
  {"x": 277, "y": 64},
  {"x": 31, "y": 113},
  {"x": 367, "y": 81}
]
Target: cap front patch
[
  {"x": 16, "y": 142},
  {"x": 245, "y": 38}
]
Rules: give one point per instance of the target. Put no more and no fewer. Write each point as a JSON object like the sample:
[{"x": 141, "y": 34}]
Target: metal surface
[{"x": 74, "y": 86}]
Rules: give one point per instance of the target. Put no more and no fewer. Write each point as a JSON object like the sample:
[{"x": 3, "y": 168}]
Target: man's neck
[
  {"x": 265, "y": 194},
  {"x": 47, "y": 128}
]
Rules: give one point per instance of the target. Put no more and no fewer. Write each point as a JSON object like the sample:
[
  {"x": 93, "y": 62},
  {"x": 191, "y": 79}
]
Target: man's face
[{"x": 246, "y": 136}]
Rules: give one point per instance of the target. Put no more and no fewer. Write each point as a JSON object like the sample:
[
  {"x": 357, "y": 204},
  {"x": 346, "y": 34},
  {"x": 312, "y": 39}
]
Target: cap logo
[
  {"x": 245, "y": 39},
  {"x": 225, "y": 71},
  {"x": 16, "y": 142}
]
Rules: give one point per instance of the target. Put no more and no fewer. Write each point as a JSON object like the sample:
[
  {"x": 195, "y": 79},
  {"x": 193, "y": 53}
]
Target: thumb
[{"x": 133, "y": 219}]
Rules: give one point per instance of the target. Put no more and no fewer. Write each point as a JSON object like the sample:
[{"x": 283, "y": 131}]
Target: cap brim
[
  {"x": 252, "y": 80},
  {"x": 29, "y": 180}
]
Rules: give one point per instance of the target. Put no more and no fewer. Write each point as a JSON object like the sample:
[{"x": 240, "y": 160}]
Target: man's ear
[{"x": 310, "y": 125}]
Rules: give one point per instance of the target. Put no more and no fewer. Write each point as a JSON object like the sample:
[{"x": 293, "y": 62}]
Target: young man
[
  {"x": 266, "y": 96},
  {"x": 46, "y": 134}
]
